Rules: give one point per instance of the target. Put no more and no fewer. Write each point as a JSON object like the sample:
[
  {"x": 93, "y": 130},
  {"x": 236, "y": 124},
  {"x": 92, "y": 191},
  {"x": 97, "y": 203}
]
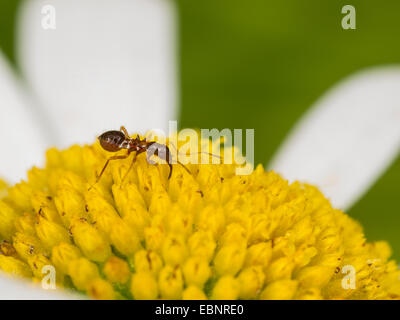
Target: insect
[{"x": 114, "y": 141}]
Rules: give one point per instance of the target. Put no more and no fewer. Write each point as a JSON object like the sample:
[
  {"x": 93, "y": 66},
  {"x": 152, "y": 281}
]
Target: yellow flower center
[{"x": 208, "y": 234}]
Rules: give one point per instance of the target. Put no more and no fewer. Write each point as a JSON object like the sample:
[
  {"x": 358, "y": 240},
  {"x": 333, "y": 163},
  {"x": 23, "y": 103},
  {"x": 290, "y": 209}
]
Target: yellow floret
[{"x": 207, "y": 234}]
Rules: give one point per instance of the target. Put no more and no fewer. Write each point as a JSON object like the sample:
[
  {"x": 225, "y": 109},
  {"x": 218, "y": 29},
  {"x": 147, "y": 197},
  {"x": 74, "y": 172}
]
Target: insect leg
[
  {"x": 107, "y": 162},
  {"x": 105, "y": 166},
  {"x": 131, "y": 165},
  {"x": 123, "y": 129},
  {"x": 168, "y": 159},
  {"x": 170, "y": 170}
]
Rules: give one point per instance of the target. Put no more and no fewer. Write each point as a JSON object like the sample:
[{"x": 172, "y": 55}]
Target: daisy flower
[{"x": 206, "y": 235}]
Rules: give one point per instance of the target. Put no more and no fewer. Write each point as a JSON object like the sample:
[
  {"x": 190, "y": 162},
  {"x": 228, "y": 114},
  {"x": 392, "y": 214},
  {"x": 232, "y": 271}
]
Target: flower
[
  {"x": 118, "y": 79},
  {"x": 210, "y": 234},
  {"x": 100, "y": 63},
  {"x": 112, "y": 66}
]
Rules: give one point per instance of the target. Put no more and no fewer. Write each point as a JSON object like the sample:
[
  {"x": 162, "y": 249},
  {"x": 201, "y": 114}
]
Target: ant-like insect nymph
[{"x": 114, "y": 141}]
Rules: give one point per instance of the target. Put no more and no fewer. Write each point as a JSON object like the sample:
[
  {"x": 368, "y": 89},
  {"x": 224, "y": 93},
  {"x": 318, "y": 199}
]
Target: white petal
[
  {"x": 107, "y": 64},
  {"x": 15, "y": 289},
  {"x": 23, "y": 139},
  {"x": 348, "y": 139}
]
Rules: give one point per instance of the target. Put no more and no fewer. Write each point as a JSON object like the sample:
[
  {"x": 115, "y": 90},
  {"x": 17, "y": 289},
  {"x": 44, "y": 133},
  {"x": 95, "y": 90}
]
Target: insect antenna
[
  {"x": 197, "y": 152},
  {"x": 183, "y": 166}
]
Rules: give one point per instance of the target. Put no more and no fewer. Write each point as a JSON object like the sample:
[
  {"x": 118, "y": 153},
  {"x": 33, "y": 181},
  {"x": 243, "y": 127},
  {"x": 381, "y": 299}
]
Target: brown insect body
[{"x": 114, "y": 141}]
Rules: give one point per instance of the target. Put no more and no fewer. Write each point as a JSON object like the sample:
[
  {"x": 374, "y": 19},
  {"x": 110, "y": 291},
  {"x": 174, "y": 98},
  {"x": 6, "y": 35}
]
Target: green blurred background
[{"x": 260, "y": 64}]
